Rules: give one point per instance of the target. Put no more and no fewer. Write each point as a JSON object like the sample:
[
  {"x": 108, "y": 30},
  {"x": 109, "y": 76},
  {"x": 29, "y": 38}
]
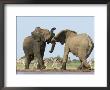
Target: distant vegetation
[{"x": 51, "y": 63}]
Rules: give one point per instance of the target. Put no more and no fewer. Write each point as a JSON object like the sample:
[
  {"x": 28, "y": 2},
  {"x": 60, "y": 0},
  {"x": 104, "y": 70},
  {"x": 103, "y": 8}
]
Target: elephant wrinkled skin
[
  {"x": 34, "y": 46},
  {"x": 81, "y": 45}
]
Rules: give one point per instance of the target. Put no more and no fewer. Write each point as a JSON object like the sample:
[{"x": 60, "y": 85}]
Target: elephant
[
  {"x": 34, "y": 46},
  {"x": 80, "y": 45}
]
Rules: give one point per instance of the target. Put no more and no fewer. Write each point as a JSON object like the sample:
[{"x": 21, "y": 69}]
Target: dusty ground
[{"x": 55, "y": 70}]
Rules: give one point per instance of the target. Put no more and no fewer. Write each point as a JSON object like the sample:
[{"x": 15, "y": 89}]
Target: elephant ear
[
  {"x": 42, "y": 38},
  {"x": 37, "y": 36},
  {"x": 60, "y": 37}
]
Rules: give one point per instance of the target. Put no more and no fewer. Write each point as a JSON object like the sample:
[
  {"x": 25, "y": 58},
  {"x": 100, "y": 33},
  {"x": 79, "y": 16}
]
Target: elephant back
[
  {"x": 27, "y": 41},
  {"x": 28, "y": 44}
]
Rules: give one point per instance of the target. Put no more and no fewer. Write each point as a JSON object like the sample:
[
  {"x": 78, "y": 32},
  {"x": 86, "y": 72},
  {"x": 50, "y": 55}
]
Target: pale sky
[{"x": 26, "y": 24}]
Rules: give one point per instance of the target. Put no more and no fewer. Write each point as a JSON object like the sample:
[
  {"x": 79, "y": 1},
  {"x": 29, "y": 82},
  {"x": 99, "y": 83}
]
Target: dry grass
[{"x": 71, "y": 67}]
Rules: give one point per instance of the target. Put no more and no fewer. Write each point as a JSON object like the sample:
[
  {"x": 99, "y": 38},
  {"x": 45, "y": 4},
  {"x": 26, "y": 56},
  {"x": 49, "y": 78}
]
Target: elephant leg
[
  {"x": 81, "y": 65},
  {"x": 42, "y": 49},
  {"x": 86, "y": 65},
  {"x": 42, "y": 55},
  {"x": 40, "y": 64},
  {"x": 27, "y": 62},
  {"x": 65, "y": 58},
  {"x": 36, "y": 63},
  {"x": 38, "y": 49},
  {"x": 82, "y": 57}
]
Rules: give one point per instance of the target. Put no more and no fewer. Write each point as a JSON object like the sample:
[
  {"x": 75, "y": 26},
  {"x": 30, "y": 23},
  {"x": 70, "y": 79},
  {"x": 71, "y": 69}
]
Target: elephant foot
[
  {"x": 86, "y": 66},
  {"x": 80, "y": 67},
  {"x": 26, "y": 67},
  {"x": 63, "y": 66},
  {"x": 41, "y": 67},
  {"x": 38, "y": 66}
]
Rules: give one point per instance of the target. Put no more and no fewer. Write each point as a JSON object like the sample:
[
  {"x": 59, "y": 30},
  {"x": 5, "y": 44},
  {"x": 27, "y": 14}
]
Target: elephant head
[
  {"x": 48, "y": 35},
  {"x": 61, "y": 37}
]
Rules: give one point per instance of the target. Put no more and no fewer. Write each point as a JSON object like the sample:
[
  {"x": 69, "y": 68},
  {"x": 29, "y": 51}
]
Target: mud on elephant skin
[
  {"x": 34, "y": 46},
  {"x": 81, "y": 45}
]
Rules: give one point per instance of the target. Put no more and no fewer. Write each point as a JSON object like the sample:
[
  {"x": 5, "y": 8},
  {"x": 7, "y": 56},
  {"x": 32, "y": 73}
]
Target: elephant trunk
[
  {"x": 52, "y": 32},
  {"x": 53, "y": 45}
]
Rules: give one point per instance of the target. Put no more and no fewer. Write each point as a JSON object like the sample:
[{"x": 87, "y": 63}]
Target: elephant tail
[{"x": 91, "y": 46}]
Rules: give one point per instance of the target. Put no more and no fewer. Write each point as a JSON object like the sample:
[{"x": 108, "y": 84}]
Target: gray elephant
[
  {"x": 34, "y": 46},
  {"x": 81, "y": 45}
]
